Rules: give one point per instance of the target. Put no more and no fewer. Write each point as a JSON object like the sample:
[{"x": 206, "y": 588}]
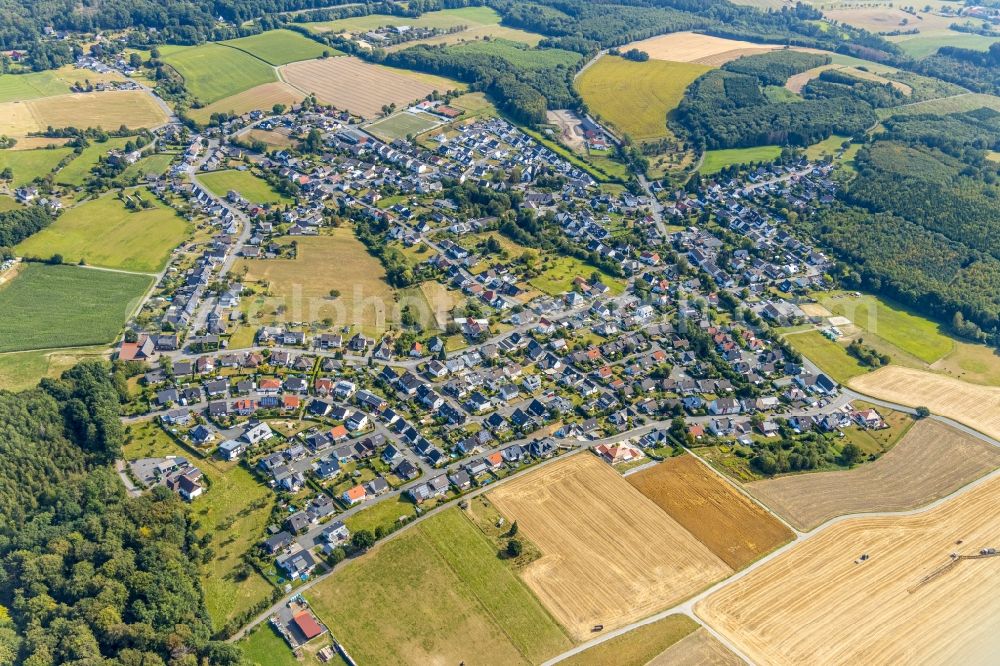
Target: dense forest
[
  {"x": 18, "y": 224},
  {"x": 87, "y": 574}
]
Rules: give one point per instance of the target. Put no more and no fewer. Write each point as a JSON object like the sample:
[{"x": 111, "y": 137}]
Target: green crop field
[
  {"x": 635, "y": 97},
  {"x": 253, "y": 188},
  {"x": 17, "y": 87},
  {"x": 717, "y": 160},
  {"x": 402, "y": 125},
  {"x": 30, "y": 164},
  {"x": 213, "y": 71},
  {"x": 944, "y": 105},
  {"x": 103, "y": 232},
  {"x": 280, "y": 47},
  {"x": 65, "y": 306},
  {"x": 921, "y": 46},
  {"x": 444, "y": 19},
  {"x": 519, "y": 54},
  {"x": 76, "y": 172},
  {"x": 436, "y": 594},
  {"x": 234, "y": 510}
]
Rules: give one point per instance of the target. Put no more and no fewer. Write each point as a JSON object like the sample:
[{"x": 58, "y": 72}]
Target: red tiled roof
[{"x": 307, "y": 624}]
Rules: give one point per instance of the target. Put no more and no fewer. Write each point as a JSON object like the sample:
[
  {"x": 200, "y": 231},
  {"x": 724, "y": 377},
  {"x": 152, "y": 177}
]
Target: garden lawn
[
  {"x": 46, "y": 306},
  {"x": 717, "y": 160},
  {"x": 280, "y": 47},
  {"x": 213, "y": 71},
  {"x": 103, "y": 232},
  {"x": 76, "y": 172},
  {"x": 251, "y": 187},
  {"x": 30, "y": 164},
  {"x": 436, "y": 594}
]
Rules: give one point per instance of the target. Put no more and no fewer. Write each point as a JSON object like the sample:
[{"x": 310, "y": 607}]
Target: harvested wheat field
[
  {"x": 931, "y": 461},
  {"x": 609, "y": 555},
  {"x": 692, "y": 47},
  {"x": 263, "y": 97},
  {"x": 818, "y": 604},
  {"x": 108, "y": 110},
  {"x": 976, "y": 406},
  {"x": 732, "y": 525},
  {"x": 796, "y": 82},
  {"x": 335, "y": 81},
  {"x": 697, "y": 649}
]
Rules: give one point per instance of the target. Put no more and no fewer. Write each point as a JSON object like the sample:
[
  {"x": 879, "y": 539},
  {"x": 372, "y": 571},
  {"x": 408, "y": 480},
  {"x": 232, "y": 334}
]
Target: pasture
[
  {"x": 212, "y": 71},
  {"x": 697, "y": 649},
  {"x": 730, "y": 524},
  {"x": 156, "y": 164},
  {"x": 786, "y": 611},
  {"x": 299, "y": 289},
  {"x": 923, "y": 45},
  {"x": 20, "y": 87},
  {"x": 252, "y": 188},
  {"x": 76, "y": 172},
  {"x": 715, "y": 161},
  {"x": 929, "y": 462},
  {"x": 970, "y": 404},
  {"x": 693, "y": 47},
  {"x": 234, "y": 510},
  {"x": 944, "y": 105},
  {"x": 636, "y": 97},
  {"x": 23, "y": 370},
  {"x": 402, "y": 125},
  {"x": 65, "y": 306},
  {"x": 108, "y": 110},
  {"x": 333, "y": 81},
  {"x": 831, "y": 357},
  {"x": 436, "y": 594},
  {"x": 609, "y": 555},
  {"x": 28, "y": 165},
  {"x": 478, "y": 33},
  {"x": 639, "y": 646},
  {"x": 444, "y": 19},
  {"x": 103, "y": 232},
  {"x": 280, "y": 47},
  {"x": 262, "y": 97}
]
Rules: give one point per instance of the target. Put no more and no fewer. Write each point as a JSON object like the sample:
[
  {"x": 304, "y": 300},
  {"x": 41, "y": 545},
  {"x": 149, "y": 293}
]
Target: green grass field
[
  {"x": 46, "y": 307},
  {"x": 252, "y": 188},
  {"x": 828, "y": 146},
  {"x": 436, "y": 594},
  {"x": 280, "y": 47},
  {"x": 921, "y": 46},
  {"x": 235, "y": 510},
  {"x": 23, "y": 370},
  {"x": 944, "y": 105},
  {"x": 103, "y": 232},
  {"x": 830, "y": 356},
  {"x": 17, "y": 87},
  {"x": 717, "y": 160},
  {"x": 402, "y": 125},
  {"x": 635, "y": 97},
  {"x": 8, "y": 203},
  {"x": 384, "y": 514},
  {"x": 76, "y": 172},
  {"x": 557, "y": 277},
  {"x": 213, "y": 71},
  {"x": 444, "y": 19},
  {"x": 30, "y": 164},
  {"x": 520, "y": 55},
  {"x": 155, "y": 164},
  {"x": 637, "y": 647}
]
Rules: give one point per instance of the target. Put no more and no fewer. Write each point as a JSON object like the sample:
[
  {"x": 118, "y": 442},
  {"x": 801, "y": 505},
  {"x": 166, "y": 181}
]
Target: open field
[
  {"x": 234, "y": 510},
  {"x": 300, "y": 288},
  {"x": 280, "y": 47},
  {"x": 402, "y": 125},
  {"x": 23, "y": 370},
  {"x": 973, "y": 405},
  {"x": 102, "y": 232},
  {"x": 109, "y": 110},
  {"x": 929, "y": 462},
  {"x": 786, "y": 611},
  {"x": 253, "y": 188},
  {"x": 273, "y": 138},
  {"x": 444, "y": 19},
  {"x": 478, "y": 33},
  {"x": 637, "y": 647},
  {"x": 697, "y": 649},
  {"x": 519, "y": 55},
  {"x": 558, "y": 275},
  {"x": 923, "y": 45},
  {"x": 261, "y": 97},
  {"x": 333, "y": 80},
  {"x": 692, "y": 47},
  {"x": 36, "y": 142},
  {"x": 30, "y": 164},
  {"x": 384, "y": 514},
  {"x": 729, "y": 523},
  {"x": 213, "y": 71},
  {"x": 64, "y": 306},
  {"x": 888, "y": 19},
  {"x": 635, "y": 97},
  {"x": 437, "y": 594},
  {"x": 156, "y": 163},
  {"x": 8, "y": 203},
  {"x": 76, "y": 172},
  {"x": 19, "y": 87},
  {"x": 944, "y": 105},
  {"x": 609, "y": 555},
  {"x": 831, "y": 356},
  {"x": 717, "y": 160}
]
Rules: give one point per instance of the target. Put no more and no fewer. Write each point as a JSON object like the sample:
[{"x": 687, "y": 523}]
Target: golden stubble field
[
  {"x": 931, "y": 461},
  {"x": 973, "y": 405},
  {"x": 609, "y": 555},
  {"x": 692, "y": 47},
  {"x": 109, "y": 110},
  {"x": 816, "y": 603}
]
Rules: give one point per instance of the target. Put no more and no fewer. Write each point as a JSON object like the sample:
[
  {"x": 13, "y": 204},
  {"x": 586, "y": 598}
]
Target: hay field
[
  {"x": 444, "y": 19},
  {"x": 477, "y": 33},
  {"x": 636, "y": 97},
  {"x": 815, "y": 604},
  {"x": 35, "y": 142},
  {"x": 280, "y": 47},
  {"x": 23, "y": 370},
  {"x": 732, "y": 525},
  {"x": 261, "y": 97},
  {"x": 212, "y": 71},
  {"x": 692, "y": 47},
  {"x": 30, "y": 164},
  {"x": 299, "y": 289},
  {"x": 715, "y": 161},
  {"x": 698, "y": 649},
  {"x": 609, "y": 555},
  {"x": 929, "y": 462},
  {"x": 108, "y": 110},
  {"x": 334, "y": 81},
  {"x": 888, "y": 19},
  {"x": 973, "y": 405},
  {"x": 19, "y": 87}
]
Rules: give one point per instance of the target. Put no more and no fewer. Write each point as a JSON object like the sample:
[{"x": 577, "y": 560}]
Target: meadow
[
  {"x": 944, "y": 105},
  {"x": 831, "y": 357},
  {"x": 213, "y": 71},
  {"x": 280, "y": 47},
  {"x": 76, "y": 172},
  {"x": 444, "y": 19},
  {"x": 436, "y": 594},
  {"x": 18, "y": 87},
  {"x": 637, "y": 647},
  {"x": 636, "y": 97},
  {"x": 65, "y": 306},
  {"x": 156, "y": 164},
  {"x": 715, "y": 161},
  {"x": 23, "y": 370},
  {"x": 103, "y": 232},
  {"x": 385, "y": 514},
  {"x": 520, "y": 55},
  {"x": 30, "y": 164},
  {"x": 923, "y": 45},
  {"x": 251, "y": 187}
]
